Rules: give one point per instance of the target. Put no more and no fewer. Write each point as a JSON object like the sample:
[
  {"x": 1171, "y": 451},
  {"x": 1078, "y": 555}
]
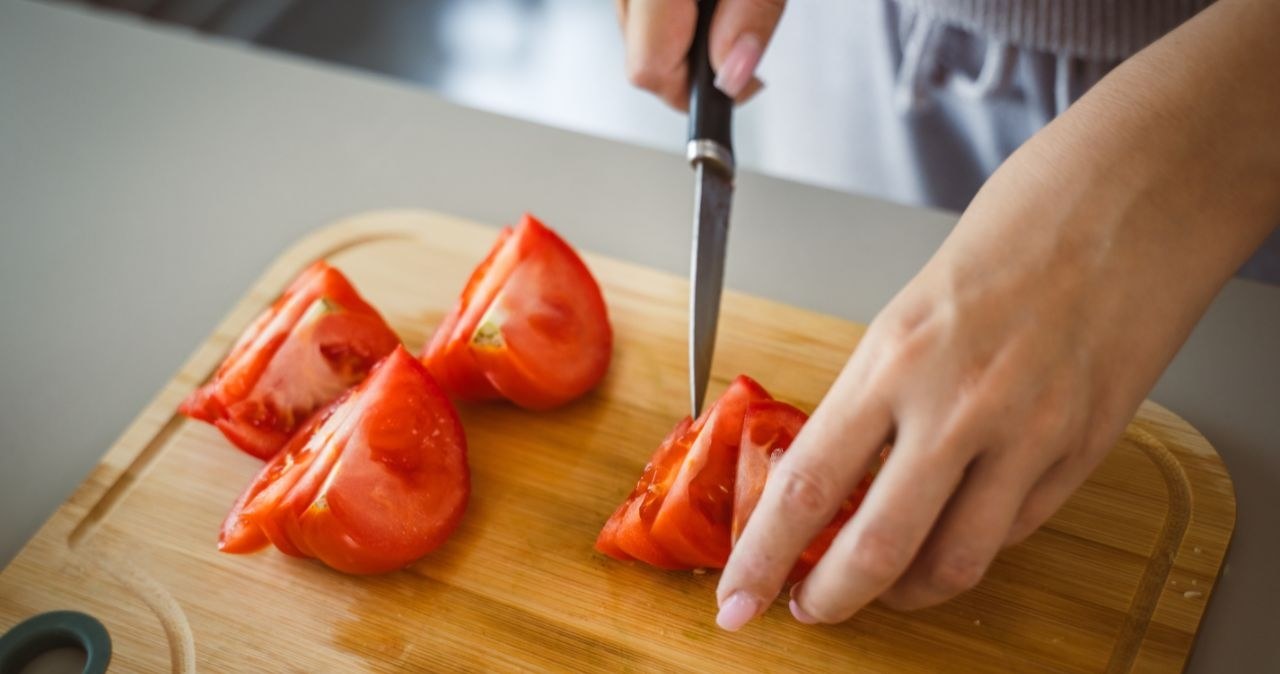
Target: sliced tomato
[
  {"x": 531, "y": 325},
  {"x": 768, "y": 430},
  {"x": 309, "y": 347},
  {"x": 242, "y": 531},
  {"x": 447, "y": 355},
  {"x": 696, "y": 494},
  {"x": 607, "y": 541},
  {"x": 380, "y": 481},
  {"x": 627, "y": 533},
  {"x": 694, "y": 521}
]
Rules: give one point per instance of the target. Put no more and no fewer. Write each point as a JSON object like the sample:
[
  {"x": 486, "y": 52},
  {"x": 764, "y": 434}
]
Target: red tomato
[
  {"x": 530, "y": 325},
  {"x": 696, "y": 493},
  {"x": 627, "y": 533},
  {"x": 380, "y": 480},
  {"x": 693, "y": 524},
  {"x": 310, "y": 346},
  {"x": 679, "y": 513},
  {"x": 767, "y": 431}
]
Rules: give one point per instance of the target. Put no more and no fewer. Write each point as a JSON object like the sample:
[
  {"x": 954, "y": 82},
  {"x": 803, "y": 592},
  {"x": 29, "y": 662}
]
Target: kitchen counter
[{"x": 129, "y": 154}]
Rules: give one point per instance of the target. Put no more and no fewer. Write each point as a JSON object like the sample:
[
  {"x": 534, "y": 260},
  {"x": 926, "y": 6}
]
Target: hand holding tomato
[{"x": 1002, "y": 378}]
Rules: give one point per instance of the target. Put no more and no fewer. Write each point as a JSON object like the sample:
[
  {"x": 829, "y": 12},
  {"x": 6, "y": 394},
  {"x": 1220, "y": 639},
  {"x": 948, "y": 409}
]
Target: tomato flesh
[
  {"x": 629, "y": 529},
  {"x": 380, "y": 479},
  {"x": 530, "y": 326},
  {"x": 310, "y": 346}
]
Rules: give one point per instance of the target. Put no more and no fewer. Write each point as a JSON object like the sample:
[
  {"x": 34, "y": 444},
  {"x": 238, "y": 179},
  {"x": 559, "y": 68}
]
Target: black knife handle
[{"x": 710, "y": 110}]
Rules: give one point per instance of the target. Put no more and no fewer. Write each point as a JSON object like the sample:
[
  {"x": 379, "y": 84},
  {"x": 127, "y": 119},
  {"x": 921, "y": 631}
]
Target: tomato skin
[
  {"x": 530, "y": 326},
  {"x": 402, "y": 483},
  {"x": 319, "y": 338},
  {"x": 379, "y": 479},
  {"x": 607, "y": 541}
]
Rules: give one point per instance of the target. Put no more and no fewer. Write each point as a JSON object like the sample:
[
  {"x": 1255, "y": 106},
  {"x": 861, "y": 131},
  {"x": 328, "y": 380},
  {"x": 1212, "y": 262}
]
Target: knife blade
[{"x": 710, "y": 152}]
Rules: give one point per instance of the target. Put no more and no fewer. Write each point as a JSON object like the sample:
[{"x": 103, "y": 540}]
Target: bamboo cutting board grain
[{"x": 1117, "y": 581}]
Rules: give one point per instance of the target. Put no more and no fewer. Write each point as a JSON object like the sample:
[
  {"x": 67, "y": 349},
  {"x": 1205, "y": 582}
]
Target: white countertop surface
[{"x": 147, "y": 176}]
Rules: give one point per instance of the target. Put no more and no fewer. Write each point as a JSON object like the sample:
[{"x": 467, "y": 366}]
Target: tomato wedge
[
  {"x": 530, "y": 326},
  {"x": 311, "y": 345},
  {"x": 379, "y": 479},
  {"x": 767, "y": 431},
  {"x": 679, "y": 514},
  {"x": 695, "y": 495},
  {"x": 626, "y": 535},
  {"x": 695, "y": 519}
]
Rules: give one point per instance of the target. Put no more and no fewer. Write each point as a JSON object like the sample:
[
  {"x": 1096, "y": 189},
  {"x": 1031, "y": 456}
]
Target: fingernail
[
  {"x": 740, "y": 66},
  {"x": 737, "y": 611},
  {"x": 799, "y": 614}
]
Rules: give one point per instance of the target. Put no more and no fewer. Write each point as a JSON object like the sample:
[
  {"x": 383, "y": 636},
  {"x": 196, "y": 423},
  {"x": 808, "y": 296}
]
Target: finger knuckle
[
  {"x": 827, "y": 607},
  {"x": 1032, "y": 515},
  {"x": 956, "y": 572},
  {"x": 898, "y": 600},
  {"x": 643, "y": 74},
  {"x": 879, "y": 557},
  {"x": 805, "y": 492},
  {"x": 1018, "y": 533},
  {"x": 768, "y": 7},
  {"x": 753, "y": 567}
]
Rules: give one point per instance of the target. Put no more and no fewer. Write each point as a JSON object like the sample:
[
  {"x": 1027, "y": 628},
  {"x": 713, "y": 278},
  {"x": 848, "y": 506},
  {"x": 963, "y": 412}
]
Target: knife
[{"x": 710, "y": 152}]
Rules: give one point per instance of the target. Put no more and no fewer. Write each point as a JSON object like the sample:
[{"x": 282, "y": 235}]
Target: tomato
[
  {"x": 693, "y": 524},
  {"x": 530, "y": 326},
  {"x": 311, "y": 345},
  {"x": 379, "y": 480},
  {"x": 627, "y": 533},
  {"x": 767, "y": 431},
  {"x": 696, "y": 493},
  {"x": 679, "y": 514}
]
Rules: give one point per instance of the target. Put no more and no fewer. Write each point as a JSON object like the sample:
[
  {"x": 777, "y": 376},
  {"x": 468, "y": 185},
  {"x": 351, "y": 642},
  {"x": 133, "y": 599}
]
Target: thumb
[{"x": 740, "y": 31}]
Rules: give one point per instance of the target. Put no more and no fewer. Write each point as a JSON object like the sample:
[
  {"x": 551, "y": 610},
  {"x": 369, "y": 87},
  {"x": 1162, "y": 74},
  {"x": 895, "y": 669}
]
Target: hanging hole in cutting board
[{"x": 54, "y": 643}]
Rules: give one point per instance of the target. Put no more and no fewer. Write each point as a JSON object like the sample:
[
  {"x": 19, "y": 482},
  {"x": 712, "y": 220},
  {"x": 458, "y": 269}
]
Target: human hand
[
  {"x": 1006, "y": 369},
  {"x": 1001, "y": 387},
  {"x": 659, "y": 33}
]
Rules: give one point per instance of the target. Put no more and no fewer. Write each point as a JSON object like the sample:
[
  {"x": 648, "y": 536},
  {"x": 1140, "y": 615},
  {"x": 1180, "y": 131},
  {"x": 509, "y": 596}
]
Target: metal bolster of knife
[{"x": 715, "y": 155}]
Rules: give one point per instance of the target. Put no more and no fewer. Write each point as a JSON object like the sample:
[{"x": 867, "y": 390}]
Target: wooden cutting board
[{"x": 1117, "y": 581}]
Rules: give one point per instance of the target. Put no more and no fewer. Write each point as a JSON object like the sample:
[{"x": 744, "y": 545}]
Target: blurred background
[
  {"x": 560, "y": 62},
  {"x": 830, "y": 78}
]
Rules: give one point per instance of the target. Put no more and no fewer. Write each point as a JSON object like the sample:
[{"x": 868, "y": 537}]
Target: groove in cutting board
[{"x": 518, "y": 586}]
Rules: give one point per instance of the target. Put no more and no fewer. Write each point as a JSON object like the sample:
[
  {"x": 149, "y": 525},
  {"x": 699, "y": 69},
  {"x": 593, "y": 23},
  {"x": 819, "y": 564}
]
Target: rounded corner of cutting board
[{"x": 1194, "y": 454}]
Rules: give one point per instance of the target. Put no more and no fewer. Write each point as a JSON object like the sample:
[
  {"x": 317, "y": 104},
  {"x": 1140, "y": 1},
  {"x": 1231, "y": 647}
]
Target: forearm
[
  {"x": 1188, "y": 131},
  {"x": 1190, "y": 128},
  {"x": 1143, "y": 198}
]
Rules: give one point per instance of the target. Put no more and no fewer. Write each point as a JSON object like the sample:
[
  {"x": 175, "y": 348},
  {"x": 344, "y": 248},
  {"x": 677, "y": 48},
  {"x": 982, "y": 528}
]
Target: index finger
[
  {"x": 821, "y": 469},
  {"x": 658, "y": 35}
]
